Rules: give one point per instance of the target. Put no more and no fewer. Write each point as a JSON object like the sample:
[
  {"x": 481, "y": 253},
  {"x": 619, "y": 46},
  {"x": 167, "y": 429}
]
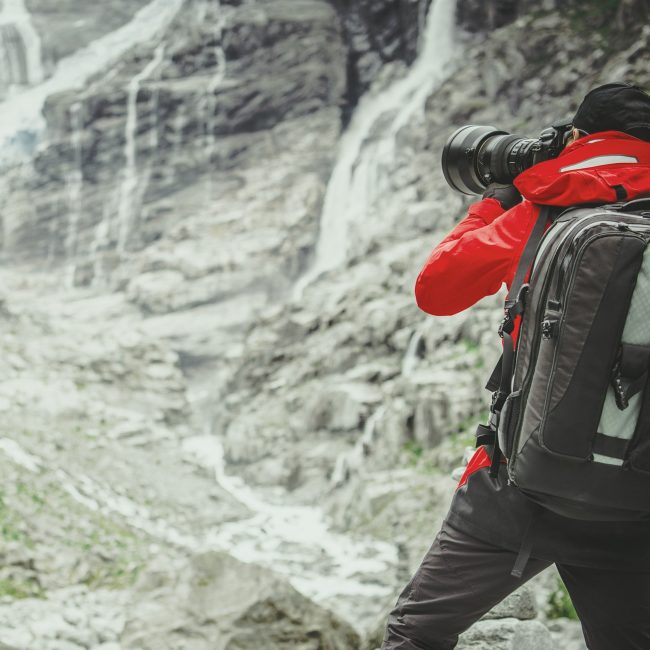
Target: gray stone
[
  {"x": 222, "y": 603},
  {"x": 506, "y": 634},
  {"x": 520, "y": 604}
]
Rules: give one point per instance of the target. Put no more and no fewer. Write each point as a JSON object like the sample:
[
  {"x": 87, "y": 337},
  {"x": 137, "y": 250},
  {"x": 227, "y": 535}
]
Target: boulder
[
  {"x": 506, "y": 634},
  {"x": 214, "y": 602}
]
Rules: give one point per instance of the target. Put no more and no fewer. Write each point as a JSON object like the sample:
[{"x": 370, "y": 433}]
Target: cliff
[{"x": 209, "y": 243}]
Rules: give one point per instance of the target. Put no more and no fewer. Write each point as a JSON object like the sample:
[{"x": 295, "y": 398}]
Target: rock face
[
  {"x": 168, "y": 392},
  {"x": 378, "y": 31},
  {"x": 477, "y": 16},
  {"x": 223, "y": 604}
]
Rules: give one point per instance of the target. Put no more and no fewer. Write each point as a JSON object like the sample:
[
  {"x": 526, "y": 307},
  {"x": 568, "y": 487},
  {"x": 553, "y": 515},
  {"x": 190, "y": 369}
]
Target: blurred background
[{"x": 225, "y": 422}]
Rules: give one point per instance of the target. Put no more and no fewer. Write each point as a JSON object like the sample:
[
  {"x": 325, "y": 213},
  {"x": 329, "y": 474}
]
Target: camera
[{"x": 475, "y": 156}]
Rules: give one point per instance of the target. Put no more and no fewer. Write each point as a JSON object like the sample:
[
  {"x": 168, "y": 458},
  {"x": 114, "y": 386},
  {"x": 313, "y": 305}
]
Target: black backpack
[{"x": 571, "y": 405}]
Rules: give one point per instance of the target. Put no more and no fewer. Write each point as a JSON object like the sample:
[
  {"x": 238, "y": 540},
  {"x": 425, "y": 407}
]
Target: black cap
[{"x": 615, "y": 107}]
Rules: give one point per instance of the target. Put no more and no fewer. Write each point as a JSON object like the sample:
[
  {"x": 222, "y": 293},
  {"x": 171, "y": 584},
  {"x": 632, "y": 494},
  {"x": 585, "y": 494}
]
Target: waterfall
[
  {"x": 21, "y": 114},
  {"x": 126, "y": 207},
  {"x": 20, "y": 47},
  {"x": 413, "y": 351},
  {"x": 348, "y": 195},
  {"x": 353, "y": 460},
  {"x": 74, "y": 186}
]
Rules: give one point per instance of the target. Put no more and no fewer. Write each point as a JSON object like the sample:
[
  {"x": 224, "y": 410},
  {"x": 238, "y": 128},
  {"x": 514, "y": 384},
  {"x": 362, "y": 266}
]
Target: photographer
[{"x": 492, "y": 526}]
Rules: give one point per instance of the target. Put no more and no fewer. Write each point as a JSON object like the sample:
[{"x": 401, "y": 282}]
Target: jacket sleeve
[{"x": 473, "y": 260}]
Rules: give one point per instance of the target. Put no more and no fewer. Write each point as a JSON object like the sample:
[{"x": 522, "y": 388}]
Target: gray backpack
[{"x": 571, "y": 408}]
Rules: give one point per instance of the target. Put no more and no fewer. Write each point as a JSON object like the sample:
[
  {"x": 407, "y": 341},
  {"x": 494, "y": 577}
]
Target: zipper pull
[{"x": 548, "y": 328}]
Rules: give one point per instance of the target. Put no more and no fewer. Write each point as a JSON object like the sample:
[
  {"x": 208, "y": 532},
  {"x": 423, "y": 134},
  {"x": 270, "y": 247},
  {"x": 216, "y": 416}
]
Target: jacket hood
[{"x": 599, "y": 168}]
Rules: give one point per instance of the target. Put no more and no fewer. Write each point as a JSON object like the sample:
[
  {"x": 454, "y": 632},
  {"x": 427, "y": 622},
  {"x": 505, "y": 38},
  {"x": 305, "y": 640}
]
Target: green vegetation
[
  {"x": 414, "y": 452},
  {"x": 10, "y": 588},
  {"x": 24, "y": 489},
  {"x": 559, "y": 603},
  {"x": 416, "y": 458},
  {"x": 463, "y": 436},
  {"x": 119, "y": 574},
  {"x": 589, "y": 17},
  {"x": 470, "y": 346},
  {"x": 10, "y": 524}
]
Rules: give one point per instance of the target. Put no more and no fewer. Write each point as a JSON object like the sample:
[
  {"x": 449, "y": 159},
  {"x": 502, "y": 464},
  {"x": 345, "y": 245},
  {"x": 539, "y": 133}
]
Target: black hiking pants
[{"x": 461, "y": 578}]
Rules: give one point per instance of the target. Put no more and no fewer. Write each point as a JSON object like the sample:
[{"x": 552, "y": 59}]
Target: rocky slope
[{"x": 188, "y": 368}]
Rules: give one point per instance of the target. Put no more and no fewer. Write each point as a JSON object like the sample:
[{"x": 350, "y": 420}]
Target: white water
[
  {"x": 126, "y": 207},
  {"x": 353, "y": 183},
  {"x": 20, "y": 46},
  {"x": 74, "y": 186},
  {"x": 295, "y": 540},
  {"x": 21, "y": 115},
  {"x": 354, "y": 459},
  {"x": 411, "y": 357}
]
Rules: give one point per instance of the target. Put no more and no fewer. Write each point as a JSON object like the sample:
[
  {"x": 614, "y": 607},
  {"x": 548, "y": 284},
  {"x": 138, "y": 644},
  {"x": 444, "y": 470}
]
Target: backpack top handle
[{"x": 637, "y": 205}]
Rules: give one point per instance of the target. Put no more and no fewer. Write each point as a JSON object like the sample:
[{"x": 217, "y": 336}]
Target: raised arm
[{"x": 474, "y": 259}]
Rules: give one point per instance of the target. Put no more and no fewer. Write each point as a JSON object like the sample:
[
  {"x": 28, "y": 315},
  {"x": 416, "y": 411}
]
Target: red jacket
[{"x": 483, "y": 250}]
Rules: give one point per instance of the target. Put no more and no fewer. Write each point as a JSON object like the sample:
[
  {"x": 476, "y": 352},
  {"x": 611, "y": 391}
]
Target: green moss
[
  {"x": 594, "y": 17},
  {"x": 19, "y": 589},
  {"x": 416, "y": 458},
  {"x": 25, "y": 490},
  {"x": 413, "y": 451},
  {"x": 470, "y": 346},
  {"x": 120, "y": 574},
  {"x": 559, "y": 603},
  {"x": 10, "y": 529}
]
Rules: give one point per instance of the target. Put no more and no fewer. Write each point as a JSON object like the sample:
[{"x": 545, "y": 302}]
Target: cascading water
[
  {"x": 21, "y": 118},
  {"x": 127, "y": 206},
  {"x": 20, "y": 47},
  {"x": 354, "y": 179},
  {"x": 353, "y": 460},
  {"x": 74, "y": 185},
  {"x": 411, "y": 357},
  {"x": 329, "y": 567}
]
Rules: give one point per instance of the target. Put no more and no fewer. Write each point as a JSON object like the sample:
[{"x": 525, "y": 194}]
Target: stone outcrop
[{"x": 222, "y": 604}]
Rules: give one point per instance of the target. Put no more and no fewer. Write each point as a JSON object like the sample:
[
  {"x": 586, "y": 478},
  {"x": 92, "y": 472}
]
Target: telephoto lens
[{"x": 475, "y": 156}]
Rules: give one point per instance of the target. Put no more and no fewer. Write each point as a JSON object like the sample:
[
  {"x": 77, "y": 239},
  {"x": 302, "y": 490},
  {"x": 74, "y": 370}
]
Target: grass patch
[
  {"x": 120, "y": 574},
  {"x": 413, "y": 451},
  {"x": 417, "y": 458},
  {"x": 10, "y": 524},
  {"x": 16, "y": 589},
  {"x": 559, "y": 603}
]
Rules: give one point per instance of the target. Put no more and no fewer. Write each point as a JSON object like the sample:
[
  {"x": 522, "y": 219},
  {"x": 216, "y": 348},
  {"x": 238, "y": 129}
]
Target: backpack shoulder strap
[{"x": 514, "y": 306}]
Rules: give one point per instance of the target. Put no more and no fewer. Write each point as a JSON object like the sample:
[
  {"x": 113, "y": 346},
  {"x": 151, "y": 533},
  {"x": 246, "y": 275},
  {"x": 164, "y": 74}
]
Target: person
[{"x": 604, "y": 565}]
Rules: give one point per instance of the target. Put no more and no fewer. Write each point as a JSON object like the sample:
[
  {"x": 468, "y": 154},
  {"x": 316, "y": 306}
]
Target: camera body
[{"x": 475, "y": 156}]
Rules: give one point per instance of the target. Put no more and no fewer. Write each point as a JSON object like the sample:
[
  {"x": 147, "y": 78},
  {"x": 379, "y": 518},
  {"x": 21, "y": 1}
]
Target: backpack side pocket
[{"x": 508, "y": 422}]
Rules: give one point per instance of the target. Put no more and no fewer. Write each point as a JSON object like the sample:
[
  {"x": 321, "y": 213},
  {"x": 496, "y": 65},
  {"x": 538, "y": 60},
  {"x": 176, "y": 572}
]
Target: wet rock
[{"x": 477, "y": 15}]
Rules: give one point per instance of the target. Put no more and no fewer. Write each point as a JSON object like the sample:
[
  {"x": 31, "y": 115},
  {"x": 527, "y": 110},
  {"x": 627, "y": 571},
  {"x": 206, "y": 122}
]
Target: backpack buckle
[{"x": 513, "y": 308}]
